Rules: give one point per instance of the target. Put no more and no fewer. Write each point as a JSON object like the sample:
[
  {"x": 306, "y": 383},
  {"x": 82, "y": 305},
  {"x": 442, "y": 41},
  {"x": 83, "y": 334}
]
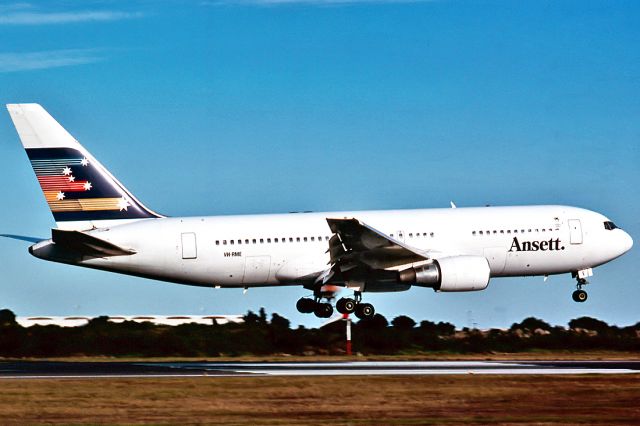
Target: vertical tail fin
[{"x": 81, "y": 193}]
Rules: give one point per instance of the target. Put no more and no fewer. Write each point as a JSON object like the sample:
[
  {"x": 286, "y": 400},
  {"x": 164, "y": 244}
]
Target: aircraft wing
[{"x": 355, "y": 243}]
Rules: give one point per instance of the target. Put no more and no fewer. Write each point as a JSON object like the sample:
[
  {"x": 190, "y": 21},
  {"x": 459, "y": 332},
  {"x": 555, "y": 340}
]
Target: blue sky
[{"x": 261, "y": 106}]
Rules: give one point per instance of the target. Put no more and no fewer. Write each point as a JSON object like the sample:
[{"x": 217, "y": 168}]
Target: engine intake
[{"x": 454, "y": 273}]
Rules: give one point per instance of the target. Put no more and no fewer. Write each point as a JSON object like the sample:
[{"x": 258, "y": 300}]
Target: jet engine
[{"x": 455, "y": 273}]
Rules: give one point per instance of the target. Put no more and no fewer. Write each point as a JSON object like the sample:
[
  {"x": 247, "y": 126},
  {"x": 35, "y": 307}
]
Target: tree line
[{"x": 260, "y": 335}]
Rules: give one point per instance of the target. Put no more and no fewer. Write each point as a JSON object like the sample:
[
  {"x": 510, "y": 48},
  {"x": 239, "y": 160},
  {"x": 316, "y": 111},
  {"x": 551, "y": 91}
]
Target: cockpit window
[{"x": 609, "y": 225}]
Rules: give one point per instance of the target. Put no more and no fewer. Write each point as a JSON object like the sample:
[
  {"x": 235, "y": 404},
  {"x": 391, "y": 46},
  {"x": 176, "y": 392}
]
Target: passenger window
[
  {"x": 298, "y": 239},
  {"x": 254, "y": 241},
  {"x": 502, "y": 231},
  {"x": 275, "y": 240},
  {"x": 290, "y": 239},
  {"x": 217, "y": 242},
  {"x": 432, "y": 234},
  {"x": 473, "y": 233},
  {"x": 246, "y": 241},
  {"x": 268, "y": 240},
  {"x": 305, "y": 239},
  {"x": 261, "y": 240},
  {"x": 313, "y": 238},
  {"x": 410, "y": 234},
  {"x": 224, "y": 242},
  {"x": 239, "y": 241}
]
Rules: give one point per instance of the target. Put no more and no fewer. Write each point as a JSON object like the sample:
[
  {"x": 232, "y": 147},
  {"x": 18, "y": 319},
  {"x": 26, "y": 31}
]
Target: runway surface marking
[{"x": 80, "y": 370}]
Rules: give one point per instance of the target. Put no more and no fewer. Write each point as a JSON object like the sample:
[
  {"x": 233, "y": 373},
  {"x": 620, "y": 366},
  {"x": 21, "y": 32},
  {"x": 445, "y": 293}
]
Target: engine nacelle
[{"x": 455, "y": 273}]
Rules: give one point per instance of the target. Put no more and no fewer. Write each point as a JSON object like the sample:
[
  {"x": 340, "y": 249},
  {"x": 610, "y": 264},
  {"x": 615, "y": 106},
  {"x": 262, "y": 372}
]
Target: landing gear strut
[{"x": 580, "y": 295}]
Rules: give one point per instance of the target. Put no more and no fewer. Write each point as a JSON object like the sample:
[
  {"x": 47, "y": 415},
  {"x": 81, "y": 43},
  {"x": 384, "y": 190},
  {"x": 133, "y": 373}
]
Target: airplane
[{"x": 102, "y": 225}]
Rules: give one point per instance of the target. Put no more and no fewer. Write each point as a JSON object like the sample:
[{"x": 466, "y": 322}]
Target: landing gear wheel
[
  {"x": 346, "y": 305},
  {"x": 579, "y": 296},
  {"x": 323, "y": 310},
  {"x": 365, "y": 310},
  {"x": 306, "y": 306}
]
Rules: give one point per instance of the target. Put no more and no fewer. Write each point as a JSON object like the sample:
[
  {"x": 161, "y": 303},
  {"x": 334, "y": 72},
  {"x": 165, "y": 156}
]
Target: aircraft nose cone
[{"x": 627, "y": 242}]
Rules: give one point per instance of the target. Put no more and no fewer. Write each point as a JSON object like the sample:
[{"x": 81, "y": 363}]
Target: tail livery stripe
[
  {"x": 97, "y": 204},
  {"x": 77, "y": 189}
]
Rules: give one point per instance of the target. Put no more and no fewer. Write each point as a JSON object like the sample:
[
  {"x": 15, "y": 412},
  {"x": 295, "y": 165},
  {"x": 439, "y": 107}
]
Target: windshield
[{"x": 609, "y": 225}]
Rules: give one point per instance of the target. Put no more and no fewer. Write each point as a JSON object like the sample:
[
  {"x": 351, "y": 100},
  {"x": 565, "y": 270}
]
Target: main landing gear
[
  {"x": 345, "y": 305},
  {"x": 350, "y": 306},
  {"x": 320, "y": 309}
]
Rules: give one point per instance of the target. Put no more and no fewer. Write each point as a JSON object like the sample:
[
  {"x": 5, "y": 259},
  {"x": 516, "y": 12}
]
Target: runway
[{"x": 87, "y": 370}]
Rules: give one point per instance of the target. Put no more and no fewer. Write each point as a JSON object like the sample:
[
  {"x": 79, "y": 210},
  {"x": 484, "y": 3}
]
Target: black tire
[
  {"x": 323, "y": 310},
  {"x": 306, "y": 306},
  {"x": 581, "y": 296},
  {"x": 346, "y": 306},
  {"x": 574, "y": 296},
  {"x": 365, "y": 311}
]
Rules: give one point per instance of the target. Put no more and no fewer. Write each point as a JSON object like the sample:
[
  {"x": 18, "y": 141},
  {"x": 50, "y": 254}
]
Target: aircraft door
[
  {"x": 256, "y": 269},
  {"x": 189, "y": 246},
  {"x": 575, "y": 231}
]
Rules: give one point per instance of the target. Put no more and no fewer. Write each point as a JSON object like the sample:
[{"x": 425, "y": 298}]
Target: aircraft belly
[{"x": 536, "y": 263}]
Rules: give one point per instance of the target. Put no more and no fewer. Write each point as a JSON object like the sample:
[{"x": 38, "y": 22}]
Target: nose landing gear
[{"x": 580, "y": 295}]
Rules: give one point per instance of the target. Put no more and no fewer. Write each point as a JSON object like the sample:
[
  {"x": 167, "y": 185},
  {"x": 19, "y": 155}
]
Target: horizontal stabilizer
[
  {"x": 23, "y": 238},
  {"x": 88, "y": 245}
]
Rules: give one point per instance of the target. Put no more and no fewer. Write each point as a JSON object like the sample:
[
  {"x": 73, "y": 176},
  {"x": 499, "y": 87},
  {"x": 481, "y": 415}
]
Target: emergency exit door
[{"x": 575, "y": 231}]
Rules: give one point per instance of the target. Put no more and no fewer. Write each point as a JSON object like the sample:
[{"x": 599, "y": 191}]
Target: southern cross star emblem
[
  {"x": 87, "y": 186},
  {"x": 72, "y": 178},
  {"x": 66, "y": 171},
  {"x": 84, "y": 162},
  {"x": 60, "y": 196},
  {"x": 123, "y": 204}
]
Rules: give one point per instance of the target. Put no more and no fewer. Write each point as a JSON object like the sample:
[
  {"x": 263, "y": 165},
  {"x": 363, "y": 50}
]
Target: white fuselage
[{"x": 282, "y": 249}]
